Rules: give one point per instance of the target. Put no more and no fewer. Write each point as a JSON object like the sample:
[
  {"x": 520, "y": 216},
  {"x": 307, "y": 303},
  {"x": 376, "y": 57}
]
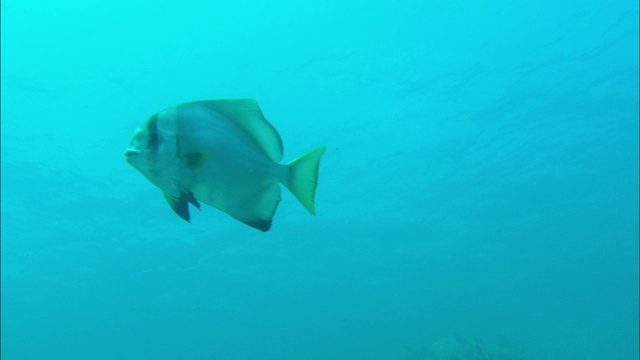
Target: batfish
[{"x": 223, "y": 153}]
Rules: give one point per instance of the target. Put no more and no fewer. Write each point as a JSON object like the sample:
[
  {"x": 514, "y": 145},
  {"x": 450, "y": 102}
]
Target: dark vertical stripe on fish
[{"x": 154, "y": 138}]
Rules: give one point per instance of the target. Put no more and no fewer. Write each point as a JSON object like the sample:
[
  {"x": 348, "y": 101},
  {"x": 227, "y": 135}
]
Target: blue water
[{"x": 479, "y": 192}]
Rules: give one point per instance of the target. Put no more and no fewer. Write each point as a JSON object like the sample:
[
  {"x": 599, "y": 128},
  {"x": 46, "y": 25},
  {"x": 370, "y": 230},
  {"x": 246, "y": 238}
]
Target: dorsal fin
[{"x": 247, "y": 114}]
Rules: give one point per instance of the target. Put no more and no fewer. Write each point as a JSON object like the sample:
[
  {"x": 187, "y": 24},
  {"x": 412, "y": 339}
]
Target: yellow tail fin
[{"x": 303, "y": 178}]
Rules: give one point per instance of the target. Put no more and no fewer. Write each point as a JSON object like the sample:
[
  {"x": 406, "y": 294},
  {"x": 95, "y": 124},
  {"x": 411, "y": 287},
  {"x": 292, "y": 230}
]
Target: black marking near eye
[{"x": 154, "y": 138}]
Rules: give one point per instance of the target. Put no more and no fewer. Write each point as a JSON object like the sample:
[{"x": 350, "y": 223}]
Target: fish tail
[{"x": 303, "y": 177}]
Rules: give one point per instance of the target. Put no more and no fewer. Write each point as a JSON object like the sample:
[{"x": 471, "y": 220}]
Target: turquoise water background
[{"x": 480, "y": 181}]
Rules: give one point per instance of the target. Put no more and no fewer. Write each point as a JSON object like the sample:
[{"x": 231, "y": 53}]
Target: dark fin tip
[
  {"x": 262, "y": 225},
  {"x": 188, "y": 195},
  {"x": 180, "y": 202},
  {"x": 182, "y": 209}
]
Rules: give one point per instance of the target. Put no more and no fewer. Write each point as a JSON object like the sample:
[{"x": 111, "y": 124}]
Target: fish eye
[{"x": 137, "y": 138}]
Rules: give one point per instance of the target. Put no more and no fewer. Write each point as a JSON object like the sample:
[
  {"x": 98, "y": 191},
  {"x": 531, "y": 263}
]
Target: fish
[{"x": 225, "y": 154}]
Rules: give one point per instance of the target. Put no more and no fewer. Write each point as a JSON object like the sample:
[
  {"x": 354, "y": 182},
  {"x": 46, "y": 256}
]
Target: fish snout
[
  {"x": 132, "y": 155},
  {"x": 131, "y": 152}
]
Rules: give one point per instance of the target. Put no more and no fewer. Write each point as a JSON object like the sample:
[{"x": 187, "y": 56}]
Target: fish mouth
[{"x": 131, "y": 152}]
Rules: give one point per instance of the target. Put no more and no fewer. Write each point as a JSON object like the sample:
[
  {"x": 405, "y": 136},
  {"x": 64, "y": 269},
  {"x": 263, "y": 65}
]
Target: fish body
[{"x": 225, "y": 154}]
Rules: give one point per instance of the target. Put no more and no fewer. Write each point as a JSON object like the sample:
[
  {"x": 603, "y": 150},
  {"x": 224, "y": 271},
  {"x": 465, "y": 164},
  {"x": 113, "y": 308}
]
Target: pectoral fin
[
  {"x": 195, "y": 160},
  {"x": 179, "y": 199}
]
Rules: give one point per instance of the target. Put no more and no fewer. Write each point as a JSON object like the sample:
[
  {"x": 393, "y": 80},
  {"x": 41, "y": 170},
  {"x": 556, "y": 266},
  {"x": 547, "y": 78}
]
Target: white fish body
[{"x": 225, "y": 154}]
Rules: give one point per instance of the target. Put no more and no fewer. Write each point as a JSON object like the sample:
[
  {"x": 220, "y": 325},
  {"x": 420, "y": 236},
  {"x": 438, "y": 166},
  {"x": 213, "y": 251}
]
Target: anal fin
[{"x": 254, "y": 207}]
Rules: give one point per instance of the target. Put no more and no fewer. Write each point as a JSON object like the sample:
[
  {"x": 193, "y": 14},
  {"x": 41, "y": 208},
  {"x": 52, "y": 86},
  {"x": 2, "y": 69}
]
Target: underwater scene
[{"x": 250, "y": 179}]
